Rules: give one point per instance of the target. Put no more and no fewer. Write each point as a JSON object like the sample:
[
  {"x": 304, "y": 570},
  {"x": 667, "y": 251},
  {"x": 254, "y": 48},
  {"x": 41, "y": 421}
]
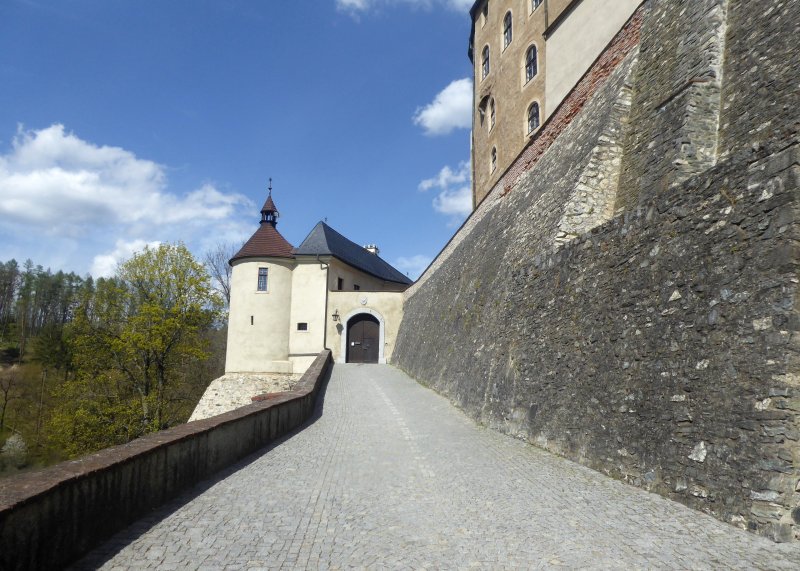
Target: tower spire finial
[{"x": 269, "y": 213}]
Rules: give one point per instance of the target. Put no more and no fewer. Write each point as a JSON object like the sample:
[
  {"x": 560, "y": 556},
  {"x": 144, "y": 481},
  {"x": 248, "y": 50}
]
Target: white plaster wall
[
  {"x": 262, "y": 346},
  {"x": 576, "y": 43},
  {"x": 309, "y": 281},
  {"x": 352, "y": 276},
  {"x": 386, "y": 306}
]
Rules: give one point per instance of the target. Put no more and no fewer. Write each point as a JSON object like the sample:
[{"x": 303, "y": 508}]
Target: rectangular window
[
  {"x": 262, "y": 279},
  {"x": 356, "y": 287},
  {"x": 302, "y": 326},
  {"x": 339, "y": 284}
]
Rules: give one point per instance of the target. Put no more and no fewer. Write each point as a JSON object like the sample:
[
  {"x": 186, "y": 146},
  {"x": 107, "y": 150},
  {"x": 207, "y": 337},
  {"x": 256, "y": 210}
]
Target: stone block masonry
[
  {"x": 673, "y": 127},
  {"x": 657, "y": 343},
  {"x": 761, "y": 74}
]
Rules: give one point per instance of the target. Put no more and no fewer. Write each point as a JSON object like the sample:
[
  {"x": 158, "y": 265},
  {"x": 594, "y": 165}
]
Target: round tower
[{"x": 261, "y": 292}]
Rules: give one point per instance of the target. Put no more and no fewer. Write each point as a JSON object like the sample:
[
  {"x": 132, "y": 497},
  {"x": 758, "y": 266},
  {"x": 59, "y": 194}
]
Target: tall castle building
[{"x": 527, "y": 56}]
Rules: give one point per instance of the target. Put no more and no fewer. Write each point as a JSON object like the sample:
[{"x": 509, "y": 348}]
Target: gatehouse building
[{"x": 288, "y": 304}]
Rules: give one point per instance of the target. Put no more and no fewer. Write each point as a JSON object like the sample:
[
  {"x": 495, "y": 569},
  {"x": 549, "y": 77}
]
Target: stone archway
[{"x": 363, "y": 315}]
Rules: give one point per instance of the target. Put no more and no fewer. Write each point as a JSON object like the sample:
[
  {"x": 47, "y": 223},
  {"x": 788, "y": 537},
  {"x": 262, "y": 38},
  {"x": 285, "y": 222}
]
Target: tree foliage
[
  {"x": 133, "y": 339},
  {"x": 32, "y": 299},
  {"x": 100, "y": 362}
]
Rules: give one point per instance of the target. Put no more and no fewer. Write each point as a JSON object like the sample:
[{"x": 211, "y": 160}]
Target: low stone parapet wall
[{"x": 50, "y": 517}]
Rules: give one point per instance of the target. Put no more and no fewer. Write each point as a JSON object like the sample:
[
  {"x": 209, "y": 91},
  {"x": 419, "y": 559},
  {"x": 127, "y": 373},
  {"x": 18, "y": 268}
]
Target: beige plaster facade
[
  {"x": 258, "y": 322},
  {"x": 385, "y": 306},
  {"x": 353, "y": 279},
  {"x": 595, "y": 22},
  {"x": 308, "y": 305}
]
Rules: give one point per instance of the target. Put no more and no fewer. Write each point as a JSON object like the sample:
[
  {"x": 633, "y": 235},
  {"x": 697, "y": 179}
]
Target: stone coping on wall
[{"x": 52, "y": 516}]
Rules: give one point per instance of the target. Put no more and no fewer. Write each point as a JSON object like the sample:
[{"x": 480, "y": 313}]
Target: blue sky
[{"x": 130, "y": 122}]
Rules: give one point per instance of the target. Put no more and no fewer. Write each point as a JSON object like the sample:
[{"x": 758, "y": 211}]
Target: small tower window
[
  {"x": 485, "y": 62},
  {"x": 507, "y": 31},
  {"x": 530, "y": 64},
  {"x": 339, "y": 284},
  {"x": 484, "y": 104},
  {"x": 494, "y": 159},
  {"x": 492, "y": 114},
  {"x": 533, "y": 117},
  {"x": 302, "y": 326},
  {"x": 262, "y": 279},
  {"x": 356, "y": 287}
]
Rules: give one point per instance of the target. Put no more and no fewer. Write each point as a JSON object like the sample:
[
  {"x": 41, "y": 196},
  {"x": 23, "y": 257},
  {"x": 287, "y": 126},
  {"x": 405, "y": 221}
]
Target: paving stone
[{"x": 390, "y": 475}]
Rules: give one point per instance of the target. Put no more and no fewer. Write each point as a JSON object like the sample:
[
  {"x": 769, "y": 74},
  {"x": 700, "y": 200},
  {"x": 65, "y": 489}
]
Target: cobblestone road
[{"x": 392, "y": 476}]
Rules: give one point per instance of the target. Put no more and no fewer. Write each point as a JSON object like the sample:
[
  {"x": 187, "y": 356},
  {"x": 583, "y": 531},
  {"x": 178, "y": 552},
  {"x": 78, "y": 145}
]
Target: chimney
[{"x": 372, "y": 249}]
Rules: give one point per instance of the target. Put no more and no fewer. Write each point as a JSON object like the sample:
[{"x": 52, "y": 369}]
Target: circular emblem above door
[{"x": 363, "y": 300}]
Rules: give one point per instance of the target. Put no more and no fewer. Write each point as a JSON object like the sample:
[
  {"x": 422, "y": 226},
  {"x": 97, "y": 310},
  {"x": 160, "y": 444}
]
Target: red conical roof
[
  {"x": 266, "y": 242},
  {"x": 269, "y": 206}
]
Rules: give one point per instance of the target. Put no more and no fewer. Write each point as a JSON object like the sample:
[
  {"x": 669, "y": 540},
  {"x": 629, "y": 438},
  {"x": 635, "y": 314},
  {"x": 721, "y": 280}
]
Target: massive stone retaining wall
[
  {"x": 50, "y": 517},
  {"x": 661, "y": 345}
]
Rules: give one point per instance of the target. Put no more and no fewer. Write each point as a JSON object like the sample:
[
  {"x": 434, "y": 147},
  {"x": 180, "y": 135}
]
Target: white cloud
[
  {"x": 460, "y": 5},
  {"x": 455, "y": 197},
  {"x": 413, "y": 265},
  {"x": 53, "y": 178},
  {"x": 78, "y": 198},
  {"x": 360, "y": 6},
  {"x": 456, "y": 202},
  {"x": 450, "y": 109},
  {"x": 446, "y": 177},
  {"x": 104, "y": 265},
  {"x": 353, "y": 5}
]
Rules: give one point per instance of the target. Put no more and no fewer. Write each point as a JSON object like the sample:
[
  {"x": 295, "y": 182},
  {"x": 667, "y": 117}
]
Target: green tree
[
  {"x": 8, "y": 386},
  {"x": 134, "y": 337},
  {"x": 9, "y": 283}
]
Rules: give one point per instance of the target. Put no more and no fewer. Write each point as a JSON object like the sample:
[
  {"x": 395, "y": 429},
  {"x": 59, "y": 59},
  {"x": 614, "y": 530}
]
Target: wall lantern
[{"x": 335, "y": 315}]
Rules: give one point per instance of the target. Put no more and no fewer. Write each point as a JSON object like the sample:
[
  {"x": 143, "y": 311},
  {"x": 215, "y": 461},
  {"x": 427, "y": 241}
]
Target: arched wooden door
[{"x": 363, "y": 337}]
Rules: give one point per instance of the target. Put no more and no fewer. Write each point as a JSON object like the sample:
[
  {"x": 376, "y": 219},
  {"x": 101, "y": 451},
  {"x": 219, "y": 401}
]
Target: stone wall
[
  {"x": 659, "y": 346},
  {"x": 761, "y": 71},
  {"x": 235, "y": 390},
  {"x": 673, "y": 132},
  {"x": 50, "y": 517}
]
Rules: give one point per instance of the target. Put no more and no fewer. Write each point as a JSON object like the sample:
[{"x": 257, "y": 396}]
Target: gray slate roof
[{"x": 325, "y": 241}]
